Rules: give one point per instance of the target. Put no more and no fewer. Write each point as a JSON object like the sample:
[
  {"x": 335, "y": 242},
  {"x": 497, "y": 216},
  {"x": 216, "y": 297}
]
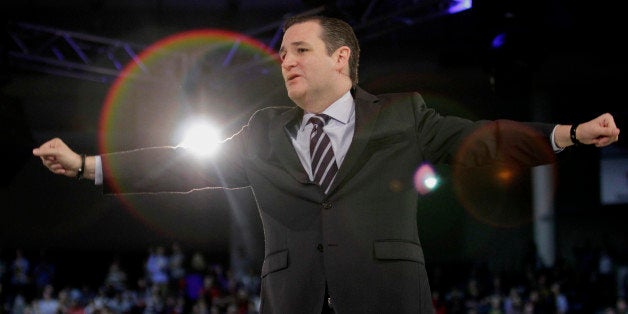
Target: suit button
[
  {"x": 319, "y": 247},
  {"x": 327, "y": 205}
]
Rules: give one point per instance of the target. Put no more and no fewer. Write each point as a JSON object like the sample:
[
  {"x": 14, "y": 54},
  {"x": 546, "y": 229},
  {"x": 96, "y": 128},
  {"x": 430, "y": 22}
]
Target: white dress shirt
[{"x": 339, "y": 129}]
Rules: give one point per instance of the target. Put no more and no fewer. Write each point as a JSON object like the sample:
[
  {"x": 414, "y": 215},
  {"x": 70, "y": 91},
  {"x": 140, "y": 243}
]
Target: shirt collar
[{"x": 340, "y": 110}]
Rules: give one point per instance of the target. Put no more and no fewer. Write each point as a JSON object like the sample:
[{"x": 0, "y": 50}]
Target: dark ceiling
[{"x": 546, "y": 42}]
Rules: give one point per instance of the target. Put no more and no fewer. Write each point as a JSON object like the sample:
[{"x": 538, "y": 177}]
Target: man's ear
[{"x": 342, "y": 55}]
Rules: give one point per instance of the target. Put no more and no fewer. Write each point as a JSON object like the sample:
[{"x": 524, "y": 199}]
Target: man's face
[{"x": 307, "y": 69}]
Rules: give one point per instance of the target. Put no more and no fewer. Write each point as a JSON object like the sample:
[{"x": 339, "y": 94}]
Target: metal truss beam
[
  {"x": 88, "y": 57},
  {"x": 65, "y": 53}
]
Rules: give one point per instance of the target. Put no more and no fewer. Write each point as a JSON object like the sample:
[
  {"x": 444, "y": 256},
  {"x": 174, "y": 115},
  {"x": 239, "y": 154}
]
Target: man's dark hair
[{"x": 335, "y": 34}]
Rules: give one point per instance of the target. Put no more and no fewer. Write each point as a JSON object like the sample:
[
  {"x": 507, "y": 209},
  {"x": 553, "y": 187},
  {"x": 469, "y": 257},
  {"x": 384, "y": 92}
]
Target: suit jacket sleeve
[
  {"x": 174, "y": 169},
  {"x": 466, "y": 143}
]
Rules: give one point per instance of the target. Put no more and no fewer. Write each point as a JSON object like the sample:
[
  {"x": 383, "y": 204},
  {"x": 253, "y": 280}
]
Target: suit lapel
[
  {"x": 366, "y": 111},
  {"x": 282, "y": 145}
]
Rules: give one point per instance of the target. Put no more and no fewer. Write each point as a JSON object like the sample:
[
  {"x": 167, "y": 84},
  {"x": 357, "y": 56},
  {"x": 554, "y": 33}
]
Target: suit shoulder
[
  {"x": 272, "y": 115},
  {"x": 401, "y": 100},
  {"x": 389, "y": 98},
  {"x": 274, "y": 109},
  {"x": 400, "y": 96},
  {"x": 271, "y": 112},
  {"x": 264, "y": 119}
]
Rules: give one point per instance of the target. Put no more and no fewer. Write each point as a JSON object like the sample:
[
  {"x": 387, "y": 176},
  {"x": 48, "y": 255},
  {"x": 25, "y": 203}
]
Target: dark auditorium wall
[{"x": 448, "y": 60}]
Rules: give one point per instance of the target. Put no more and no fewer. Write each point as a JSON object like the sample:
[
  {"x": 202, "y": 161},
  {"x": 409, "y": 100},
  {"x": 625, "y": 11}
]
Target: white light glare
[
  {"x": 201, "y": 138},
  {"x": 430, "y": 182},
  {"x": 425, "y": 179}
]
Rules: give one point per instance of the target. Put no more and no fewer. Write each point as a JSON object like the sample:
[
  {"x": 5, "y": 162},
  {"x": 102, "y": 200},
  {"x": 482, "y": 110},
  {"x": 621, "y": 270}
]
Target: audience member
[
  {"x": 115, "y": 280},
  {"x": 176, "y": 264},
  {"x": 157, "y": 268},
  {"x": 43, "y": 273},
  {"x": 561, "y": 304},
  {"x": 20, "y": 274},
  {"x": 193, "y": 282},
  {"x": 48, "y": 303}
]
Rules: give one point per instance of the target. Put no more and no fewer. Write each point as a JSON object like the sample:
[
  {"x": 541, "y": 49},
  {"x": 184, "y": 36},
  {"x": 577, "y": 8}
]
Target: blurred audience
[{"x": 175, "y": 281}]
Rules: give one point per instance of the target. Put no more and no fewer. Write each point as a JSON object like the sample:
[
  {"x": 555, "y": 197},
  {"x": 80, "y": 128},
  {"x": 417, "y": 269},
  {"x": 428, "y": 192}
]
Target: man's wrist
[
  {"x": 81, "y": 170},
  {"x": 573, "y": 136}
]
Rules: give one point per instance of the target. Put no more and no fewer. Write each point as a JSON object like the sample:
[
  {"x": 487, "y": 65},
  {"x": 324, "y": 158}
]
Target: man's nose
[{"x": 287, "y": 62}]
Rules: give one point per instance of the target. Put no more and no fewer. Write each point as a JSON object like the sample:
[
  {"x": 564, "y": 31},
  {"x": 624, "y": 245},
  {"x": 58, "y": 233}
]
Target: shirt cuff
[
  {"x": 554, "y": 146},
  {"x": 98, "y": 178}
]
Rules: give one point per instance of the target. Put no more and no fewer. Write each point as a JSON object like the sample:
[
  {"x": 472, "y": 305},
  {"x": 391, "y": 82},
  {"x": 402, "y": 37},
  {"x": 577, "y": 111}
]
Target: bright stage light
[
  {"x": 430, "y": 182},
  {"x": 425, "y": 179},
  {"x": 201, "y": 138}
]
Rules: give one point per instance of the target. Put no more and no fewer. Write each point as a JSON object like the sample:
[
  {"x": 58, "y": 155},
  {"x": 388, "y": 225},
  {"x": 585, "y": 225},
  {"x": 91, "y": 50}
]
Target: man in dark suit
[{"x": 352, "y": 245}]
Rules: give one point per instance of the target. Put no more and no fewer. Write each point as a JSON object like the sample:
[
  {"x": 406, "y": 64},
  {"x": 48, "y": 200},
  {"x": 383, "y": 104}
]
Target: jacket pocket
[
  {"x": 275, "y": 262},
  {"x": 398, "y": 250}
]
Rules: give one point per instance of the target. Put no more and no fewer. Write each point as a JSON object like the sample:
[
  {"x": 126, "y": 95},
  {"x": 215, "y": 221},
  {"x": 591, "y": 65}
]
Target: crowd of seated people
[
  {"x": 167, "y": 281},
  {"x": 171, "y": 280}
]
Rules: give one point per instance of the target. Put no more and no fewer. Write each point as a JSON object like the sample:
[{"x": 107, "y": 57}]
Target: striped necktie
[{"x": 324, "y": 167}]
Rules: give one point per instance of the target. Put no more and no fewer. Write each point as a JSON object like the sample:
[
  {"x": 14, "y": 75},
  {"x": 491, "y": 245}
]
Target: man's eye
[{"x": 301, "y": 50}]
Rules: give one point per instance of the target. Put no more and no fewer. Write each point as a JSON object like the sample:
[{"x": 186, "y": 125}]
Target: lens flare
[
  {"x": 425, "y": 179},
  {"x": 201, "y": 138},
  {"x": 209, "y": 71},
  {"x": 500, "y": 193}
]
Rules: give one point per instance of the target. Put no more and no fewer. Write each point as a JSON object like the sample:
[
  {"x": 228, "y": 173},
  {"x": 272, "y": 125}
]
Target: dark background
[{"x": 562, "y": 61}]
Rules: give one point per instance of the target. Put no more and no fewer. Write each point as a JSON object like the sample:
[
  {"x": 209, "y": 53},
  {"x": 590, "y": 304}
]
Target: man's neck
[{"x": 319, "y": 104}]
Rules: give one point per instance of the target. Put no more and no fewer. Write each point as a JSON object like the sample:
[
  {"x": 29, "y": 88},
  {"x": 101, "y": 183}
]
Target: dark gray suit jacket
[{"x": 362, "y": 238}]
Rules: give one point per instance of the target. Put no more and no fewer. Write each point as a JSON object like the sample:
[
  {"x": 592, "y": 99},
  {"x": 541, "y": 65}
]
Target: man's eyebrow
[{"x": 295, "y": 44}]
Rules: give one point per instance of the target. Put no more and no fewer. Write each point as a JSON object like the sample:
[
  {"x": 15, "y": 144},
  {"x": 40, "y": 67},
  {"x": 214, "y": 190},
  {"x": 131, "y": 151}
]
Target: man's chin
[{"x": 295, "y": 94}]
